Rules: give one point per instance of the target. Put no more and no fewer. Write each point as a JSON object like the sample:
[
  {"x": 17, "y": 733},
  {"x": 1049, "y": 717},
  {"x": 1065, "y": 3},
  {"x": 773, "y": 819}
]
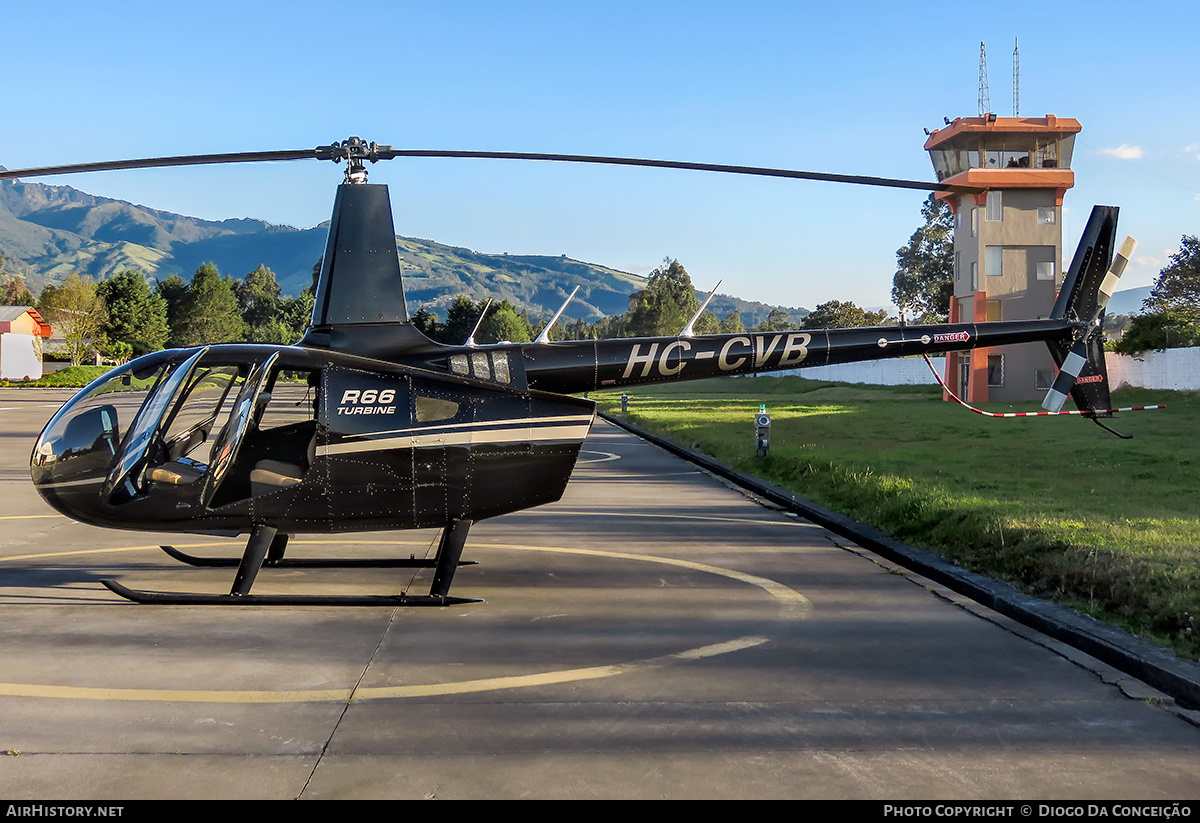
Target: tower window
[
  {"x": 993, "y": 260},
  {"x": 995, "y": 370},
  {"x": 995, "y": 207}
]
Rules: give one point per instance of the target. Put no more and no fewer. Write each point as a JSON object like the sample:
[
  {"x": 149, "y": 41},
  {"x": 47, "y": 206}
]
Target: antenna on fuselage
[
  {"x": 478, "y": 323},
  {"x": 544, "y": 337},
  {"x": 688, "y": 331}
]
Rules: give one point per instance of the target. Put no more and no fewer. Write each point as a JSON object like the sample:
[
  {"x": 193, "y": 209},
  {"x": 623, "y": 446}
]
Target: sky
[{"x": 845, "y": 87}]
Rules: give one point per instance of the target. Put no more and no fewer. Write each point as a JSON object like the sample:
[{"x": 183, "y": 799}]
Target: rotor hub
[{"x": 356, "y": 152}]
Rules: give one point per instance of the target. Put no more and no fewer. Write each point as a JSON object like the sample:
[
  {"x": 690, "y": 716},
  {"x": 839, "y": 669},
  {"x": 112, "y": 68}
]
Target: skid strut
[{"x": 266, "y": 547}]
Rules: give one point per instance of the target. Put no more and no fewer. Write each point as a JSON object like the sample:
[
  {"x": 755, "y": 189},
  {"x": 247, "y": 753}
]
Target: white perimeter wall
[
  {"x": 905, "y": 371},
  {"x": 1174, "y": 369},
  {"x": 19, "y": 357}
]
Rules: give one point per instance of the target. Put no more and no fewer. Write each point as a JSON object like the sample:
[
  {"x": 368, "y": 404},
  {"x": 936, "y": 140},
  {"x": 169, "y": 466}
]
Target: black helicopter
[{"x": 395, "y": 431}]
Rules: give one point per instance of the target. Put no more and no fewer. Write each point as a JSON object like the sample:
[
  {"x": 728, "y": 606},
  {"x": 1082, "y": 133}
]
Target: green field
[
  {"x": 1057, "y": 506},
  {"x": 70, "y": 377}
]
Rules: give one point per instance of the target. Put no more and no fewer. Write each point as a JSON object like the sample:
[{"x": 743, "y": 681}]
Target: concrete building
[{"x": 1007, "y": 241}]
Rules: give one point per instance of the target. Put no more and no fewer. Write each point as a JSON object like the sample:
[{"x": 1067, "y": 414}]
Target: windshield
[{"x": 83, "y": 438}]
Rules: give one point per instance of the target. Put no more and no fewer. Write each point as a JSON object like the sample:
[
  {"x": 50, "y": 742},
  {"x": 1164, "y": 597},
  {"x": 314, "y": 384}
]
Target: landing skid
[
  {"x": 266, "y": 547},
  {"x": 188, "y": 599},
  {"x": 310, "y": 563}
]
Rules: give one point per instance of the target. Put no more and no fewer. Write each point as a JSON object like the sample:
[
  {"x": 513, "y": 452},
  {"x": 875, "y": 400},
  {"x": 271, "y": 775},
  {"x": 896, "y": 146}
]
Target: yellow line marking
[
  {"x": 795, "y": 605},
  {"x": 606, "y": 456},
  {"x": 75, "y": 552},
  {"x": 27, "y": 516},
  {"x": 789, "y": 598},
  {"x": 646, "y": 477},
  {"x": 790, "y": 521},
  {"x": 375, "y": 692}
]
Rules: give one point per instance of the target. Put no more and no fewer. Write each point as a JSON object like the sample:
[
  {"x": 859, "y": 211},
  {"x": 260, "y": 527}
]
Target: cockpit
[{"x": 205, "y": 427}]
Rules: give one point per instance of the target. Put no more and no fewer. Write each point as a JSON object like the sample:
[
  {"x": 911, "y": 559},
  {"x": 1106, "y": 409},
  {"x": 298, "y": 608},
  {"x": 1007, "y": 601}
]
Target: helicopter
[{"x": 395, "y": 431}]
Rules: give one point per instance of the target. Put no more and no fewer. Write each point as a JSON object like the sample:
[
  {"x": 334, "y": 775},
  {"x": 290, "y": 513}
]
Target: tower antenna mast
[
  {"x": 1016, "y": 79},
  {"x": 985, "y": 101}
]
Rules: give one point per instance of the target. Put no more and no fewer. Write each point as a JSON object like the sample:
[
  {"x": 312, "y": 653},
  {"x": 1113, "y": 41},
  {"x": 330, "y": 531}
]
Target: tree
[
  {"x": 208, "y": 312},
  {"x": 269, "y": 317},
  {"x": 316, "y": 274},
  {"x": 579, "y": 329},
  {"x": 504, "y": 324},
  {"x": 732, "y": 324},
  {"x": 14, "y": 292},
  {"x": 924, "y": 281},
  {"x": 777, "y": 320},
  {"x": 427, "y": 323},
  {"x": 665, "y": 305},
  {"x": 135, "y": 315},
  {"x": 838, "y": 315},
  {"x": 707, "y": 323},
  {"x": 77, "y": 312},
  {"x": 172, "y": 291},
  {"x": 1178, "y": 284},
  {"x": 1172, "y": 311},
  {"x": 1172, "y": 328},
  {"x": 116, "y": 350},
  {"x": 258, "y": 296},
  {"x": 295, "y": 313},
  {"x": 461, "y": 318}
]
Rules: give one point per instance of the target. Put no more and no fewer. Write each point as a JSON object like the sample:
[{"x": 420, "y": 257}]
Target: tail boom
[{"x": 589, "y": 365}]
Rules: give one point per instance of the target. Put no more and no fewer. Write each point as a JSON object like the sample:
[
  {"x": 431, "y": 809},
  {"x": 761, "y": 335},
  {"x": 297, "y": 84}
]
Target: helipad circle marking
[
  {"x": 376, "y": 692},
  {"x": 719, "y": 519},
  {"x": 604, "y": 459},
  {"x": 794, "y": 604}
]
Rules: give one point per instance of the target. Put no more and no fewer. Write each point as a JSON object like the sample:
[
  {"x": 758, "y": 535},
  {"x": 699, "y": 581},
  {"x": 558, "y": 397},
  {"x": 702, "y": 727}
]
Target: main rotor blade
[
  {"x": 156, "y": 162},
  {"x": 375, "y": 152},
  {"x": 388, "y": 153}
]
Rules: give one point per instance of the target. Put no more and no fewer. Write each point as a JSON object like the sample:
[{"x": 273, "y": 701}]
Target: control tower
[{"x": 1007, "y": 241}]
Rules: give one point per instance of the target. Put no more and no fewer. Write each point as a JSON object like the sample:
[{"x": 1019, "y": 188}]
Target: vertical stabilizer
[
  {"x": 1080, "y": 295},
  {"x": 1094, "y": 272},
  {"x": 360, "y": 275}
]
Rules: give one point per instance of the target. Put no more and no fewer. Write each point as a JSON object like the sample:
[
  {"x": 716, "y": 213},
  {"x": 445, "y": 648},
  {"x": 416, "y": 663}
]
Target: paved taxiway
[{"x": 654, "y": 634}]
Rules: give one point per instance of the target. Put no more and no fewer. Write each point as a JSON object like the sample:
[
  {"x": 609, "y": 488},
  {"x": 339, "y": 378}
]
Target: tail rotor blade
[
  {"x": 1120, "y": 261},
  {"x": 1072, "y": 366},
  {"x": 1087, "y": 349}
]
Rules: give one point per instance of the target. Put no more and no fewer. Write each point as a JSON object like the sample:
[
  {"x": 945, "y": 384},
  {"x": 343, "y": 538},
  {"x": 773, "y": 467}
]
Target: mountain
[
  {"x": 1128, "y": 301},
  {"x": 46, "y": 232}
]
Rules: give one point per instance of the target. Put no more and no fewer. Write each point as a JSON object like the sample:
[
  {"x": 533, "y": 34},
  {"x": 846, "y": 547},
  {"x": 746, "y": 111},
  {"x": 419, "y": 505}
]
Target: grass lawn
[
  {"x": 70, "y": 377},
  {"x": 1056, "y": 506}
]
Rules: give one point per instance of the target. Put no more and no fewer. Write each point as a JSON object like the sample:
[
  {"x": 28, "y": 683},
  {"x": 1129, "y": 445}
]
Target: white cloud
[
  {"x": 1193, "y": 150},
  {"x": 1124, "y": 152}
]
